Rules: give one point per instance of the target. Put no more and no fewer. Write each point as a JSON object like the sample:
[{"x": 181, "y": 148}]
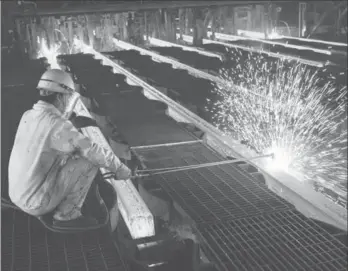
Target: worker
[{"x": 52, "y": 165}]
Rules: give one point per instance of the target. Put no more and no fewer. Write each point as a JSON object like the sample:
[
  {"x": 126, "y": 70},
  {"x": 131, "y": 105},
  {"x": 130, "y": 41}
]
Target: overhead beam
[{"x": 128, "y": 6}]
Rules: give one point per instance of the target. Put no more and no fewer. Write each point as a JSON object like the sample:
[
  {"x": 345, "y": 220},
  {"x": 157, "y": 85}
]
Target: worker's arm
[{"x": 67, "y": 139}]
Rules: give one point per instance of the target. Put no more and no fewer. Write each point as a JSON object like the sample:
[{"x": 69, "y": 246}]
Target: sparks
[
  {"x": 50, "y": 53},
  {"x": 287, "y": 110}
]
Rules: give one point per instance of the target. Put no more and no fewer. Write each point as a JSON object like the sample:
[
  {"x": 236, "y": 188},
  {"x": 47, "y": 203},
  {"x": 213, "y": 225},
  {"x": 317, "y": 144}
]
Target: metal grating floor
[
  {"x": 27, "y": 246},
  {"x": 279, "y": 241},
  {"x": 243, "y": 225},
  {"x": 212, "y": 194}
]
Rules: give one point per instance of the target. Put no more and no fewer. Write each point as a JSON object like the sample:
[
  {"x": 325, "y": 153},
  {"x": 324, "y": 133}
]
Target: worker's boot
[{"x": 79, "y": 222}]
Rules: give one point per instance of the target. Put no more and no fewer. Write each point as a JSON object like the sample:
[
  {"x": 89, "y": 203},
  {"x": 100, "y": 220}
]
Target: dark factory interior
[{"x": 217, "y": 135}]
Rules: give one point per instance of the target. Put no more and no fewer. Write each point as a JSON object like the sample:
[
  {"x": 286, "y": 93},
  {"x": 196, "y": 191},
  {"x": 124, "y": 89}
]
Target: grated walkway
[
  {"x": 27, "y": 246},
  {"x": 243, "y": 225}
]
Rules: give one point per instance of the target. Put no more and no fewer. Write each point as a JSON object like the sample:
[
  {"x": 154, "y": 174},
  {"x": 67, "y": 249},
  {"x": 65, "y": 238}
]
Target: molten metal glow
[
  {"x": 49, "y": 53},
  {"x": 251, "y": 34},
  {"x": 294, "y": 114},
  {"x": 274, "y": 35},
  {"x": 259, "y": 35}
]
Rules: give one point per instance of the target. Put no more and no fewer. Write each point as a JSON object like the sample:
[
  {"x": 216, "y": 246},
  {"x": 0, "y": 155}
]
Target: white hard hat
[{"x": 56, "y": 80}]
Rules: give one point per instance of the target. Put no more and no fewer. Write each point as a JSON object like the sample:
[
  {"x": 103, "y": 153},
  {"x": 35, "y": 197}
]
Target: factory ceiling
[{"x": 122, "y": 6}]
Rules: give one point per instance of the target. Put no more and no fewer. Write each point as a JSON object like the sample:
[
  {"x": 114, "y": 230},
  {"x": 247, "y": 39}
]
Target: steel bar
[{"x": 132, "y": 207}]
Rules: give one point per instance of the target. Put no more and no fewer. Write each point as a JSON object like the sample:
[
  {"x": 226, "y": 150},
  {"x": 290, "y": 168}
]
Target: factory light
[{"x": 50, "y": 53}]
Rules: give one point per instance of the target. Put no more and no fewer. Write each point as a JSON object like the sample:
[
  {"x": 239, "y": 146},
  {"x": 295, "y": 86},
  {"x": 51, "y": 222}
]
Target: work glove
[
  {"x": 123, "y": 173},
  {"x": 82, "y": 121}
]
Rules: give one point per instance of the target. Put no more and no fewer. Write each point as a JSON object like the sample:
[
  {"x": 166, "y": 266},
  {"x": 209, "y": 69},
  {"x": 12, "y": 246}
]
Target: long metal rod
[
  {"x": 160, "y": 171},
  {"x": 166, "y": 144},
  {"x": 204, "y": 165}
]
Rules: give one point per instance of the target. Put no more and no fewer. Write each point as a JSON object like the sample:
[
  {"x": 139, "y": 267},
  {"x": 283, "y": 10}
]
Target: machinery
[{"x": 210, "y": 209}]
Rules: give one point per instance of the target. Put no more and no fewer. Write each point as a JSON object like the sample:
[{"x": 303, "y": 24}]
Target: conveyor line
[
  {"x": 27, "y": 246},
  {"x": 307, "y": 200}
]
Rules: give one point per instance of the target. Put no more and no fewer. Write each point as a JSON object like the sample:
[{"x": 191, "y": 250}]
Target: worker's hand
[{"x": 123, "y": 172}]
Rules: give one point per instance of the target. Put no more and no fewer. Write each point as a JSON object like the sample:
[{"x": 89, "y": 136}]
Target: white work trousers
[{"x": 70, "y": 190}]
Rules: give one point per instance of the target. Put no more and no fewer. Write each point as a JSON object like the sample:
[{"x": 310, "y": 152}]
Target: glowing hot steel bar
[
  {"x": 134, "y": 211},
  {"x": 189, "y": 39}
]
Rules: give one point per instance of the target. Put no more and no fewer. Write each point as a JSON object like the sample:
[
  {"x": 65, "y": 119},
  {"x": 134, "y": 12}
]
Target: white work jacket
[{"x": 43, "y": 143}]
